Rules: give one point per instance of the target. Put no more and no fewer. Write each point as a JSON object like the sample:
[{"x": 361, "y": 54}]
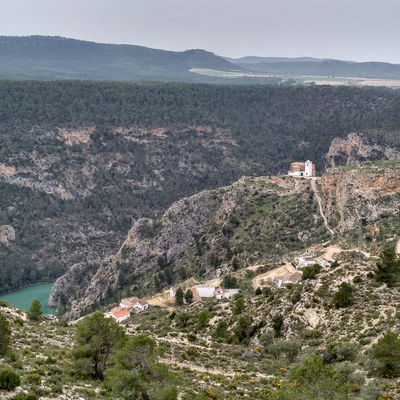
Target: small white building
[
  {"x": 225, "y": 293},
  {"x": 118, "y": 314},
  {"x": 208, "y": 292},
  {"x": 299, "y": 169},
  {"x": 305, "y": 261}
]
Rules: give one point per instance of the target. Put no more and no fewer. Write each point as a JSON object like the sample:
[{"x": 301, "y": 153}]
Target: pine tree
[
  {"x": 35, "y": 313},
  {"x": 179, "y": 297}
]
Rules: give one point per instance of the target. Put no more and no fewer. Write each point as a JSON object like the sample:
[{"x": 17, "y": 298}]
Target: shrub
[
  {"x": 258, "y": 291},
  {"x": 291, "y": 348},
  {"x": 239, "y": 306},
  {"x": 25, "y": 396},
  {"x": 387, "y": 268},
  {"x": 191, "y": 337},
  {"x": 346, "y": 368},
  {"x": 275, "y": 350},
  {"x": 311, "y": 272},
  {"x": 342, "y": 352},
  {"x": 357, "y": 279},
  {"x": 277, "y": 324},
  {"x": 221, "y": 331},
  {"x": 312, "y": 334},
  {"x": 335, "y": 264},
  {"x": 344, "y": 296},
  {"x": 5, "y": 334},
  {"x": 267, "y": 291},
  {"x": 192, "y": 352},
  {"x": 9, "y": 379},
  {"x": 296, "y": 297},
  {"x": 387, "y": 352},
  {"x": 202, "y": 319},
  {"x": 34, "y": 379}
]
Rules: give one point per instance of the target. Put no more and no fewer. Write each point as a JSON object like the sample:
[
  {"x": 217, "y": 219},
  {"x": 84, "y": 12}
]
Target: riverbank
[{"x": 23, "y": 298}]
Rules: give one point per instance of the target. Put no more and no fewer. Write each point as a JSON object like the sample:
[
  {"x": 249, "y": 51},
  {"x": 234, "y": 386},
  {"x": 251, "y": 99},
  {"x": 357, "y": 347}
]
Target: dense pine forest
[{"x": 126, "y": 169}]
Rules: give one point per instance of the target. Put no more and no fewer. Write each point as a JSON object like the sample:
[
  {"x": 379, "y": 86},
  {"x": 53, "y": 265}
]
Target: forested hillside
[
  {"x": 80, "y": 160},
  {"x": 46, "y": 57}
]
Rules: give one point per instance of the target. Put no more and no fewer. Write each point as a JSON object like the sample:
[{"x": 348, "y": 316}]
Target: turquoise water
[{"x": 23, "y": 298}]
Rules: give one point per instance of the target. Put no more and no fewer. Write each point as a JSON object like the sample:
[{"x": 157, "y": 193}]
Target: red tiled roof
[{"x": 120, "y": 314}]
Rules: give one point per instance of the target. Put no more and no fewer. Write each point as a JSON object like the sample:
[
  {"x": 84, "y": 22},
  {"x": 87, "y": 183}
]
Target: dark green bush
[
  {"x": 192, "y": 352},
  {"x": 311, "y": 272},
  {"x": 25, "y": 396},
  {"x": 277, "y": 324},
  {"x": 312, "y": 334},
  {"x": 191, "y": 337},
  {"x": 344, "y": 296},
  {"x": 9, "y": 379}
]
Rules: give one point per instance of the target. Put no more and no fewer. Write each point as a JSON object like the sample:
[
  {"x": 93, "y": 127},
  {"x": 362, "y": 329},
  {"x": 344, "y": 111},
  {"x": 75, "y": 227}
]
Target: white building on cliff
[{"x": 302, "y": 169}]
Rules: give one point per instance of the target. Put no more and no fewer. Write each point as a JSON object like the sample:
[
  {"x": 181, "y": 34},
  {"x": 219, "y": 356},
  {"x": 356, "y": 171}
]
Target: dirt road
[
  {"x": 270, "y": 275},
  {"x": 319, "y": 201},
  {"x": 335, "y": 249}
]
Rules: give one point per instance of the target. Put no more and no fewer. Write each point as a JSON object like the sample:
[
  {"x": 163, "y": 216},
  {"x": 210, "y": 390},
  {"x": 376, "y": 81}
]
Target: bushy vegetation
[
  {"x": 9, "y": 379},
  {"x": 343, "y": 297},
  {"x": 5, "y": 334}
]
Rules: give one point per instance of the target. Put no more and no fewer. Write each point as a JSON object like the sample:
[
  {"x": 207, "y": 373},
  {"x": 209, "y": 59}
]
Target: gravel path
[{"x": 317, "y": 196}]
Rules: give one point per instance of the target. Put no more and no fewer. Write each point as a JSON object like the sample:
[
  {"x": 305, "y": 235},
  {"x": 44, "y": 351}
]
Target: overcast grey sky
[{"x": 359, "y": 30}]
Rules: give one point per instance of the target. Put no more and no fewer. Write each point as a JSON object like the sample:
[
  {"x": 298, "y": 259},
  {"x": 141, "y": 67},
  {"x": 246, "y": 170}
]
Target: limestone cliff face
[
  {"x": 360, "y": 192},
  {"x": 255, "y": 220},
  {"x": 71, "y": 194},
  {"x": 358, "y": 147}
]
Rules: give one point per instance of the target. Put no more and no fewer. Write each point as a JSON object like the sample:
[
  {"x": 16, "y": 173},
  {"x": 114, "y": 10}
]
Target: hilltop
[
  {"x": 58, "y": 58},
  {"x": 49, "y": 58}
]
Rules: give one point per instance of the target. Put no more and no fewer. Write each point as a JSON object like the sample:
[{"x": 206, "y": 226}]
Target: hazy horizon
[{"x": 355, "y": 30}]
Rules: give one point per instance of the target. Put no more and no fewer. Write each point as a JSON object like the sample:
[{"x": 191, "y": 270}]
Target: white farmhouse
[
  {"x": 305, "y": 261},
  {"x": 133, "y": 304},
  {"x": 302, "y": 169}
]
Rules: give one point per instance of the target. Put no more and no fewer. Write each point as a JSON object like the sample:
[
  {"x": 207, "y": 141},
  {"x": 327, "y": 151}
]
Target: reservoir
[{"x": 23, "y": 298}]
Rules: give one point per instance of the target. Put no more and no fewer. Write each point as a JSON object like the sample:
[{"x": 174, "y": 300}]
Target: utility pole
[{"x": 360, "y": 221}]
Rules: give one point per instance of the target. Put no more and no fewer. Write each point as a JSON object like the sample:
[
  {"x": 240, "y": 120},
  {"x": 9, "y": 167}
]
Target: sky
[{"x": 357, "y": 30}]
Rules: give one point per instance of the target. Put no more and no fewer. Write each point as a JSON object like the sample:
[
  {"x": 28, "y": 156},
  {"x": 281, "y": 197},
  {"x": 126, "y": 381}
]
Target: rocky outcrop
[
  {"x": 7, "y": 234},
  {"x": 261, "y": 218},
  {"x": 364, "y": 192},
  {"x": 358, "y": 147}
]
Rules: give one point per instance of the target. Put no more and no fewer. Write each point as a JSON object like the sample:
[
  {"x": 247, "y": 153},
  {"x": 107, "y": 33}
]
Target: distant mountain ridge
[
  {"x": 55, "y": 58},
  {"x": 45, "y": 57},
  {"x": 318, "y": 67},
  {"x": 257, "y": 60}
]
